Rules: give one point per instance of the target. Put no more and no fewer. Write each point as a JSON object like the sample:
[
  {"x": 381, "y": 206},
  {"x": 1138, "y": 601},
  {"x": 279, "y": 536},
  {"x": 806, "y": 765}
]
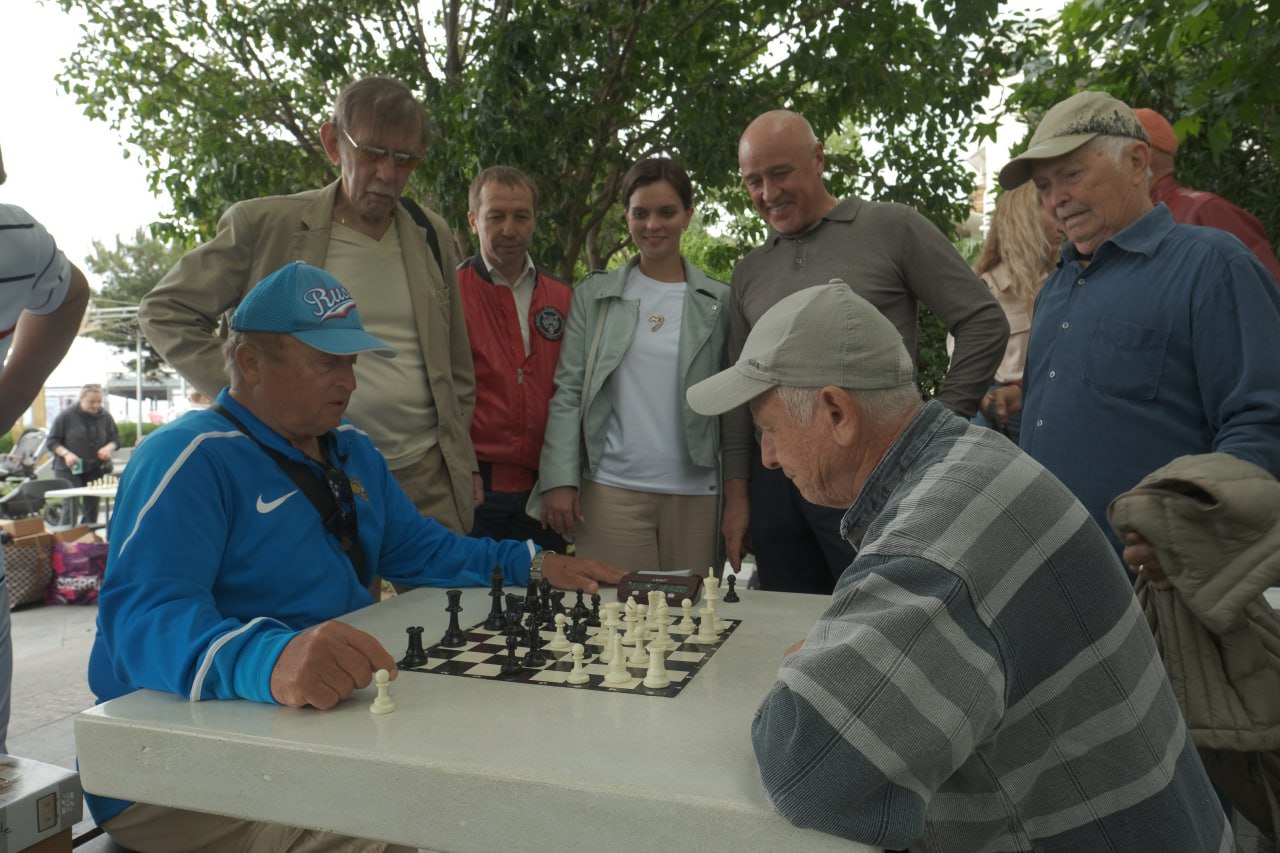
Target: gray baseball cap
[
  {"x": 822, "y": 335},
  {"x": 1070, "y": 124}
]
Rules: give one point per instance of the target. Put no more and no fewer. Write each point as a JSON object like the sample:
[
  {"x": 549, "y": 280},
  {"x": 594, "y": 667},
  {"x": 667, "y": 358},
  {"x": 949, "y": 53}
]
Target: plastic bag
[{"x": 78, "y": 568}]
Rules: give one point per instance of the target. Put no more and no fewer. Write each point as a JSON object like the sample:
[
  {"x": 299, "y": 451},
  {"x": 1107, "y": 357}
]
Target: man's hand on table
[
  {"x": 581, "y": 573},
  {"x": 325, "y": 664}
]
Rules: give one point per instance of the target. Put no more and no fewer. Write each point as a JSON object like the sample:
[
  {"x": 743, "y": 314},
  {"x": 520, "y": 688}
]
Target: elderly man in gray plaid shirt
[{"x": 983, "y": 679}]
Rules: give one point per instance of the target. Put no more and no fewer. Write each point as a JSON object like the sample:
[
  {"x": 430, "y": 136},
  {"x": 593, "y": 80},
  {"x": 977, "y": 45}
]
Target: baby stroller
[
  {"x": 20, "y": 463},
  {"x": 19, "y": 466}
]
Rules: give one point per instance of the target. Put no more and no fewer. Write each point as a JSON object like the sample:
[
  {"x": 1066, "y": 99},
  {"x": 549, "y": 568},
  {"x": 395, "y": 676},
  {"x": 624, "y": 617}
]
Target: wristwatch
[{"x": 535, "y": 565}]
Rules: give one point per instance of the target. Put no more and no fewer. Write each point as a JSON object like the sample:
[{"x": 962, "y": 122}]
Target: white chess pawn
[
  {"x": 559, "y": 643},
  {"x": 577, "y": 675},
  {"x": 656, "y": 675},
  {"x": 686, "y": 625},
  {"x": 617, "y": 673},
  {"x": 639, "y": 657},
  {"x": 383, "y": 704}
]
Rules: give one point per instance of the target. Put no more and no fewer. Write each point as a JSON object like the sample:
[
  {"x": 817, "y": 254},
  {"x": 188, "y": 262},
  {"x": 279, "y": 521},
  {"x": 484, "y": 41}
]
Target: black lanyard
[{"x": 331, "y": 496}]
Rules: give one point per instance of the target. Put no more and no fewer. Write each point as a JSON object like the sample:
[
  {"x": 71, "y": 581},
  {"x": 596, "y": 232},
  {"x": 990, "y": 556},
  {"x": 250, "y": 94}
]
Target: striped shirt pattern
[
  {"x": 983, "y": 679},
  {"x": 34, "y": 274}
]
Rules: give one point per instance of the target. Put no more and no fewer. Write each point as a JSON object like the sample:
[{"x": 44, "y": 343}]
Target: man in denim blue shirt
[{"x": 1151, "y": 340}]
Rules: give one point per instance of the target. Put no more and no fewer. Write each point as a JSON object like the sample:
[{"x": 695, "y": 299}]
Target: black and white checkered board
[{"x": 485, "y": 651}]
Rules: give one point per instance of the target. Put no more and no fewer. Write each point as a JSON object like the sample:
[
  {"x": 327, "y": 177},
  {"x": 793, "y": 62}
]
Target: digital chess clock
[{"x": 676, "y": 587}]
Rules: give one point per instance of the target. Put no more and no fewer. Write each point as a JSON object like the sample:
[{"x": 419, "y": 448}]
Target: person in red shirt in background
[
  {"x": 1197, "y": 207},
  {"x": 516, "y": 318}
]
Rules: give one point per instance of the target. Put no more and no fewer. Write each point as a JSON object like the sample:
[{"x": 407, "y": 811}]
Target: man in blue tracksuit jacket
[{"x": 222, "y": 578}]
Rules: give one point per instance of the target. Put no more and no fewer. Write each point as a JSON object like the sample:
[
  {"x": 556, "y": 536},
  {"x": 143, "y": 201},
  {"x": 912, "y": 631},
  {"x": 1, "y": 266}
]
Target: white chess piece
[
  {"x": 559, "y": 643},
  {"x": 711, "y": 596},
  {"x": 686, "y": 625},
  {"x": 609, "y": 620},
  {"x": 629, "y": 617},
  {"x": 639, "y": 657},
  {"x": 706, "y": 626},
  {"x": 656, "y": 676},
  {"x": 383, "y": 704},
  {"x": 610, "y": 634},
  {"x": 577, "y": 675},
  {"x": 663, "y": 641},
  {"x": 617, "y": 673},
  {"x": 642, "y": 622}
]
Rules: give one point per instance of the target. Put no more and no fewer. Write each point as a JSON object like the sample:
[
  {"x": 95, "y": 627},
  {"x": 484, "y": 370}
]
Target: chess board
[{"x": 485, "y": 651}]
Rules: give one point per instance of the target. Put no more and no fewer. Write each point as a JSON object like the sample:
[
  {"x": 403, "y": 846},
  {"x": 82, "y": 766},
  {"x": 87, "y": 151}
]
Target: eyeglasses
[{"x": 373, "y": 154}]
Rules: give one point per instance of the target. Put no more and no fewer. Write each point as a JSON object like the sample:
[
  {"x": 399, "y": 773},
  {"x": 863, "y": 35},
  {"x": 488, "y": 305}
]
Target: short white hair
[
  {"x": 1115, "y": 147},
  {"x": 878, "y": 406}
]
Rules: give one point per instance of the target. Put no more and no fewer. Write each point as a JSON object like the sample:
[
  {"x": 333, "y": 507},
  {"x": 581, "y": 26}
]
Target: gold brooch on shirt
[
  {"x": 656, "y": 321},
  {"x": 357, "y": 489}
]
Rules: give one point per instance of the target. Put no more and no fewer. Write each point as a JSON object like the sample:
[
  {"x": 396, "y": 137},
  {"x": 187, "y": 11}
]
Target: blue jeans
[{"x": 1011, "y": 428}]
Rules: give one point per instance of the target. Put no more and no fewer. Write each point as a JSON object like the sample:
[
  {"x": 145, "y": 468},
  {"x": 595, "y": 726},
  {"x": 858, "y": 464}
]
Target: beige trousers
[
  {"x": 643, "y": 531},
  {"x": 156, "y": 829}
]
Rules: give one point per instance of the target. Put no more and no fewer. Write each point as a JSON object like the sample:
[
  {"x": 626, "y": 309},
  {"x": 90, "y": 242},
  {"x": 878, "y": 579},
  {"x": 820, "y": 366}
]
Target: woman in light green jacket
[{"x": 629, "y": 472}]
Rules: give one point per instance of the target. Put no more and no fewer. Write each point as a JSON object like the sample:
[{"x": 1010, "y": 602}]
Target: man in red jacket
[
  {"x": 1197, "y": 207},
  {"x": 515, "y": 319}
]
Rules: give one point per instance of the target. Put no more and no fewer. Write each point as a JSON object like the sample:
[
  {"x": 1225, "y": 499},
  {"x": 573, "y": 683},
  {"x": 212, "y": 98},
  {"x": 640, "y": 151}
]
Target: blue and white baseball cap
[{"x": 312, "y": 306}]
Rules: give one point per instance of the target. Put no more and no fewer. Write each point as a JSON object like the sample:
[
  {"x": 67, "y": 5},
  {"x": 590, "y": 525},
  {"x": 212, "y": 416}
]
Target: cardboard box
[
  {"x": 38, "y": 802},
  {"x": 20, "y": 527},
  {"x": 76, "y": 534},
  {"x": 43, "y": 541}
]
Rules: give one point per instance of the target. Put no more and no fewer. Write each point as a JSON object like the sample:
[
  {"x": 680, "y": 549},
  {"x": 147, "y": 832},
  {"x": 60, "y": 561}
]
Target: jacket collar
[
  {"x": 889, "y": 472},
  {"x": 334, "y": 442},
  {"x": 613, "y": 284}
]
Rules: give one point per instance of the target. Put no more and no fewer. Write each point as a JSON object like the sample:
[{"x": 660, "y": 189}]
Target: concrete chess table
[{"x": 477, "y": 765}]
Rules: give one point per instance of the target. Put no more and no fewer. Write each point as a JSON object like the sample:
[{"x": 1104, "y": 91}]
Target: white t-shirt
[{"x": 645, "y": 448}]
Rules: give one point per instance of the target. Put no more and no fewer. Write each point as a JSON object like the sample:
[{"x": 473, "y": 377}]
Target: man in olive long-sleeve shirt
[{"x": 891, "y": 256}]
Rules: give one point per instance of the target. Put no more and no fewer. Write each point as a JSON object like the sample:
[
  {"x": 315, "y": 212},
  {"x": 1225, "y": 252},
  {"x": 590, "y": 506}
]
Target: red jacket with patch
[{"x": 512, "y": 389}]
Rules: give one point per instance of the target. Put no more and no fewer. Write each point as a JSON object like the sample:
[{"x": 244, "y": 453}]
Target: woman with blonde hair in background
[
  {"x": 1020, "y": 250},
  {"x": 629, "y": 472}
]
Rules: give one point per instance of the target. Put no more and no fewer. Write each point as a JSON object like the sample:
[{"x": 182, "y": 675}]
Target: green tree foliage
[
  {"x": 225, "y": 99},
  {"x": 128, "y": 272},
  {"x": 1209, "y": 66}
]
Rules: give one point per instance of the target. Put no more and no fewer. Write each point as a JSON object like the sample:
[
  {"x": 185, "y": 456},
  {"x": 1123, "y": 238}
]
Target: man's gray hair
[
  {"x": 374, "y": 104},
  {"x": 269, "y": 344},
  {"x": 878, "y": 406},
  {"x": 1114, "y": 147}
]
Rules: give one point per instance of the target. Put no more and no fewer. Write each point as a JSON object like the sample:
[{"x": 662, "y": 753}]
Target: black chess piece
[
  {"x": 515, "y": 613},
  {"x": 453, "y": 636},
  {"x": 531, "y": 596},
  {"x": 557, "y": 603},
  {"x": 731, "y": 595},
  {"x": 578, "y": 631},
  {"x": 593, "y": 621},
  {"x": 580, "y": 606},
  {"x": 495, "y": 620},
  {"x": 546, "y": 611},
  {"x": 534, "y": 657},
  {"x": 511, "y": 666},
  {"x": 415, "y": 655}
]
